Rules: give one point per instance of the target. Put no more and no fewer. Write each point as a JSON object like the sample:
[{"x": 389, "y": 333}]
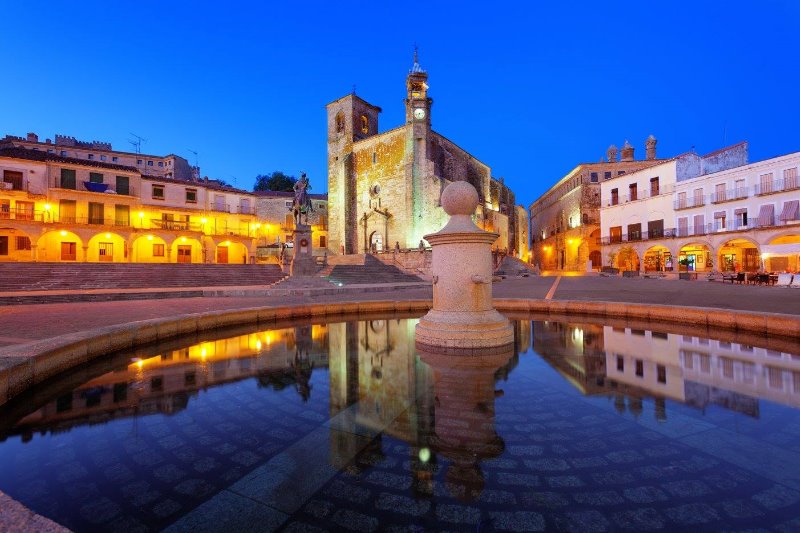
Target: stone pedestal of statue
[
  {"x": 463, "y": 315},
  {"x": 303, "y": 262}
]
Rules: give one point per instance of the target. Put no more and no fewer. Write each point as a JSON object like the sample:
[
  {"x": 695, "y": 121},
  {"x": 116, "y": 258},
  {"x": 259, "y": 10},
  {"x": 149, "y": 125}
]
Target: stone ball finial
[{"x": 459, "y": 198}]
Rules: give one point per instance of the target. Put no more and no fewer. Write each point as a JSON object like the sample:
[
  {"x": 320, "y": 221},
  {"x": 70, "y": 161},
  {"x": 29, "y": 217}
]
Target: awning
[
  {"x": 719, "y": 214},
  {"x": 740, "y": 211},
  {"x": 766, "y": 216},
  {"x": 790, "y": 210},
  {"x": 781, "y": 249}
]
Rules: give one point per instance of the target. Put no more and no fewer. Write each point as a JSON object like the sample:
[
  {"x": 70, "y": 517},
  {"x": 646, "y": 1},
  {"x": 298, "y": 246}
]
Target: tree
[{"x": 277, "y": 181}]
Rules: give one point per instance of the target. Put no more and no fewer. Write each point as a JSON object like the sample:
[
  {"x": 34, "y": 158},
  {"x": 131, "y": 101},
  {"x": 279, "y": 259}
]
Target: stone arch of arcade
[
  {"x": 13, "y": 246},
  {"x": 229, "y": 250}
]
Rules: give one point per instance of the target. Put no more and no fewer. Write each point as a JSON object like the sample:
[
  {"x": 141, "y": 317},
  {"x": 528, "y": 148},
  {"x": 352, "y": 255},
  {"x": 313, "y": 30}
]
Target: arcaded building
[
  {"x": 565, "y": 220},
  {"x": 384, "y": 188}
]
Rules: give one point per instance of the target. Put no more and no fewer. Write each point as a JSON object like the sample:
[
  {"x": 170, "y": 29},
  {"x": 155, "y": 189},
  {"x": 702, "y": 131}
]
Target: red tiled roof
[
  {"x": 210, "y": 184},
  {"x": 288, "y": 194},
  {"x": 44, "y": 157}
]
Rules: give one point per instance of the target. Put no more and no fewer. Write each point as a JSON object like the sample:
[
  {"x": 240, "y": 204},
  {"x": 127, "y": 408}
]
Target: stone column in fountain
[{"x": 463, "y": 315}]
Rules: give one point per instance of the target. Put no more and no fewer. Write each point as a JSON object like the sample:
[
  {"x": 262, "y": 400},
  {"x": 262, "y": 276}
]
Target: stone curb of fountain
[{"x": 22, "y": 366}]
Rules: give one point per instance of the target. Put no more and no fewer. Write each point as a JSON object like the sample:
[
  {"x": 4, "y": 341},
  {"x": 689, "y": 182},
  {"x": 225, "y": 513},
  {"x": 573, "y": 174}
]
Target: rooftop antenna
[
  {"x": 137, "y": 144},
  {"x": 196, "y": 163}
]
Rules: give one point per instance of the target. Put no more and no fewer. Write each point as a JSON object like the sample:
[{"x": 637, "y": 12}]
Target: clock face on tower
[{"x": 419, "y": 113}]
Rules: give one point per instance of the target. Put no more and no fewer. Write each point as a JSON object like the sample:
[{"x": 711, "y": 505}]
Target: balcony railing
[
  {"x": 79, "y": 187},
  {"x": 175, "y": 225},
  {"x": 642, "y": 195},
  {"x": 728, "y": 195},
  {"x": 776, "y": 186},
  {"x": 688, "y": 203},
  {"x": 638, "y": 236}
]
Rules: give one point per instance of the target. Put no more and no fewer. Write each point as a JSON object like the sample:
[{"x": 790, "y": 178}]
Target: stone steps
[
  {"x": 82, "y": 276},
  {"x": 372, "y": 271}
]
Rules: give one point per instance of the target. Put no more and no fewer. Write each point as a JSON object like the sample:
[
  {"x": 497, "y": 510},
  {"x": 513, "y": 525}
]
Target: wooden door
[
  {"x": 222, "y": 254},
  {"x": 106, "y": 252},
  {"x": 184, "y": 254},
  {"x": 69, "y": 251}
]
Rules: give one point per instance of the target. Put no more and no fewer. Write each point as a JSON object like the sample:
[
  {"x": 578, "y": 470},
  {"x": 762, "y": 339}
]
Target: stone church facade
[{"x": 384, "y": 188}]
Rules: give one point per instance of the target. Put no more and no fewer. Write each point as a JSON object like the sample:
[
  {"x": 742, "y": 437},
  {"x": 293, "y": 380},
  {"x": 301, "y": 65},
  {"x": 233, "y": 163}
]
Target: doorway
[
  {"x": 184, "y": 253},
  {"x": 106, "y": 252},
  {"x": 222, "y": 254},
  {"x": 376, "y": 242},
  {"x": 69, "y": 251}
]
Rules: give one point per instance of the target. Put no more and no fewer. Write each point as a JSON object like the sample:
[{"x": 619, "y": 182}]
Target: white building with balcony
[{"x": 719, "y": 213}]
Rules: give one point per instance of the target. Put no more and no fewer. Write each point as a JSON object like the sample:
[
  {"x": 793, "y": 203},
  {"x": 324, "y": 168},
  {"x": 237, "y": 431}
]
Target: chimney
[
  {"x": 627, "y": 152},
  {"x": 611, "y": 154},
  {"x": 33, "y": 138},
  {"x": 650, "y": 145}
]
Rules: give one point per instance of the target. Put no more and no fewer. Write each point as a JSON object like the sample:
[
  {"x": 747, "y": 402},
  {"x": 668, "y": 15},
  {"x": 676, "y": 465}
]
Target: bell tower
[{"x": 418, "y": 105}]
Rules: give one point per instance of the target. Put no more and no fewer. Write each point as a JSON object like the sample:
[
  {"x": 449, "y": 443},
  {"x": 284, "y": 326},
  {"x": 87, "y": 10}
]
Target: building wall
[
  {"x": 740, "y": 189},
  {"x": 565, "y": 221}
]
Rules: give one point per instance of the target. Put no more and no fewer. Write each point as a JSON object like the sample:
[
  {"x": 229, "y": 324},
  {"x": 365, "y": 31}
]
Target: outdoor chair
[
  {"x": 729, "y": 276},
  {"x": 784, "y": 280},
  {"x": 740, "y": 278}
]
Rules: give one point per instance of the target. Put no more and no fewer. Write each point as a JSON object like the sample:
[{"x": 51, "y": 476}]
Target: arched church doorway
[{"x": 376, "y": 242}]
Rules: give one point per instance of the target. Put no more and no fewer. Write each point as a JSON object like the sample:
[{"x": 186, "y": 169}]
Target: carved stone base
[
  {"x": 468, "y": 330},
  {"x": 303, "y": 262}
]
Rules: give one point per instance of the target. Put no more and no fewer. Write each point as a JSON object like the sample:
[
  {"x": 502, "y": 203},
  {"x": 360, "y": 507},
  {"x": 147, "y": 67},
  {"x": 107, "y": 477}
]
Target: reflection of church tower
[
  {"x": 418, "y": 119},
  {"x": 350, "y": 119}
]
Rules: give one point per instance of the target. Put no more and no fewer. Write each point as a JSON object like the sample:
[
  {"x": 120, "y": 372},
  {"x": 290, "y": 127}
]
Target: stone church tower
[{"x": 384, "y": 188}]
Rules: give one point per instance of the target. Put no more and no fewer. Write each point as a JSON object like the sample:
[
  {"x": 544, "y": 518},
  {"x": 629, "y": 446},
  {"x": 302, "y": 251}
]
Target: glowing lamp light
[
  {"x": 424, "y": 455},
  {"x": 149, "y": 237},
  {"x": 63, "y": 233},
  {"x": 258, "y": 345},
  {"x": 141, "y": 214},
  {"x": 226, "y": 243},
  {"x": 183, "y": 239},
  {"x": 258, "y": 226},
  {"x": 203, "y": 220},
  {"x": 47, "y": 207},
  {"x": 108, "y": 235}
]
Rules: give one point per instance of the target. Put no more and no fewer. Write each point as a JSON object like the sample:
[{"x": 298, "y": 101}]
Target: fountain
[{"x": 462, "y": 316}]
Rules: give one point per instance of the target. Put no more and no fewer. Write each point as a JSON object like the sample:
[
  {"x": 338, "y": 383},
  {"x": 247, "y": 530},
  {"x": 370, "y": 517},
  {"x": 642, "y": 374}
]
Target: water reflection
[
  {"x": 317, "y": 405},
  {"x": 632, "y": 364}
]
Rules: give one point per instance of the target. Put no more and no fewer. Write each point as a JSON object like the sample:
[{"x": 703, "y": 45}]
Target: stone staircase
[
  {"x": 370, "y": 271},
  {"x": 86, "y": 276},
  {"x": 513, "y": 266}
]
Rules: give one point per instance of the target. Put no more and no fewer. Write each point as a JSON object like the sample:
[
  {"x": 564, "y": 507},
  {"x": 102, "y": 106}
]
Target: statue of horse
[{"x": 301, "y": 205}]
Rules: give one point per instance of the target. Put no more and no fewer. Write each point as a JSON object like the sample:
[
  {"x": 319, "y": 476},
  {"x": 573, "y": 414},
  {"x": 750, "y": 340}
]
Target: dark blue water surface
[{"x": 347, "y": 426}]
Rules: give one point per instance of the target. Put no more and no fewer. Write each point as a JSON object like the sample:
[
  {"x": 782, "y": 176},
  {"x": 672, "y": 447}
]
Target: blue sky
[{"x": 529, "y": 88}]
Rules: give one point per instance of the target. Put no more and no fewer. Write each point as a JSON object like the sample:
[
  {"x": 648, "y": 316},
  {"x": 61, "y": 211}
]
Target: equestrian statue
[{"x": 301, "y": 206}]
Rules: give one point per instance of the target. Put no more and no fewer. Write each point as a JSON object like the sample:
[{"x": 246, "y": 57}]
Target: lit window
[{"x": 158, "y": 250}]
